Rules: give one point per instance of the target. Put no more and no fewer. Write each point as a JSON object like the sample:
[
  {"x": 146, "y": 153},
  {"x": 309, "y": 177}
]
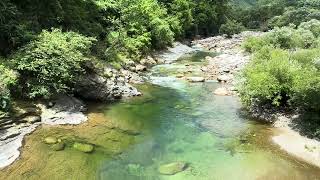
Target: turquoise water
[
  {"x": 186, "y": 122},
  {"x": 174, "y": 121}
]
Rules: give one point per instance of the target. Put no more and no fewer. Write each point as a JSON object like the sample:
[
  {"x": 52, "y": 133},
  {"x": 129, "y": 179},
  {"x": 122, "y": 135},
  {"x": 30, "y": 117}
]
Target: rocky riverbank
[
  {"x": 230, "y": 60},
  {"x": 289, "y": 135},
  {"x": 101, "y": 83}
]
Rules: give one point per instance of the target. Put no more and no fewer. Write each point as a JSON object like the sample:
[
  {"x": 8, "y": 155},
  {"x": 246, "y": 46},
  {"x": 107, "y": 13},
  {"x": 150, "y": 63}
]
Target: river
[{"x": 174, "y": 121}]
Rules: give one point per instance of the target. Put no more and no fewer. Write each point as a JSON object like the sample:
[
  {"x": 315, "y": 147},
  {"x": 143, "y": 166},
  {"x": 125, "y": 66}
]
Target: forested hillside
[{"x": 44, "y": 44}]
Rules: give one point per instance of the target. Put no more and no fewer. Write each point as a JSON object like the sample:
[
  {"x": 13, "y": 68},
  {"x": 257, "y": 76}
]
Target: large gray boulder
[{"x": 104, "y": 84}]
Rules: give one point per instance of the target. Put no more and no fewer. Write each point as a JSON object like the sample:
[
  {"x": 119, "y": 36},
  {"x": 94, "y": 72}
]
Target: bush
[
  {"x": 51, "y": 63},
  {"x": 289, "y": 37},
  {"x": 7, "y": 79},
  {"x": 312, "y": 25},
  {"x": 231, "y": 27},
  {"x": 282, "y": 78}
]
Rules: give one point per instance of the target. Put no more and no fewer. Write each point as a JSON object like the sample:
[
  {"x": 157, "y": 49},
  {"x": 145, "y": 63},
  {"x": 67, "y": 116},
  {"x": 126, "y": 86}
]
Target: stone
[
  {"x": 222, "y": 92},
  {"x": 140, "y": 68},
  {"x": 50, "y": 140},
  {"x": 66, "y": 110},
  {"x": 11, "y": 143},
  {"x": 172, "y": 168},
  {"x": 32, "y": 119},
  {"x": 86, "y": 148},
  {"x": 95, "y": 86},
  {"x": 180, "y": 75},
  {"x": 58, "y": 147},
  {"x": 148, "y": 61},
  {"x": 223, "y": 78},
  {"x": 195, "y": 79}
]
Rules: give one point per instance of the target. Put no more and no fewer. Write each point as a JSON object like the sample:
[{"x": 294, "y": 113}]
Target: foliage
[
  {"x": 7, "y": 80},
  {"x": 288, "y": 37},
  {"x": 231, "y": 27},
  {"x": 284, "y": 70},
  {"x": 51, "y": 63},
  {"x": 49, "y": 60}
]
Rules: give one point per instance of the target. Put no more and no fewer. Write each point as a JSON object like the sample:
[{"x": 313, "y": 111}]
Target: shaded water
[{"x": 173, "y": 121}]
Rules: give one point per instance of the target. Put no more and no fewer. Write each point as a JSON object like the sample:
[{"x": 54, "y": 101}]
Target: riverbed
[{"x": 174, "y": 121}]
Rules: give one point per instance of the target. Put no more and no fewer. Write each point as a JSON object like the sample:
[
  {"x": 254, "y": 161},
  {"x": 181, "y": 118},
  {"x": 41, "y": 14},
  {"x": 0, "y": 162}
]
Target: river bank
[
  {"x": 102, "y": 83},
  {"x": 232, "y": 59}
]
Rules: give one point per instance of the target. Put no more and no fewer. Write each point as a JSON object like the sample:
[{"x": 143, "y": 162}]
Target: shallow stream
[{"x": 174, "y": 121}]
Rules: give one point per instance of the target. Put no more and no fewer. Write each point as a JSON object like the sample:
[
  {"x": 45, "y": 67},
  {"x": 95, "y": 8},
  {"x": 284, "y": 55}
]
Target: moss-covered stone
[
  {"x": 87, "y": 148},
  {"x": 172, "y": 168}
]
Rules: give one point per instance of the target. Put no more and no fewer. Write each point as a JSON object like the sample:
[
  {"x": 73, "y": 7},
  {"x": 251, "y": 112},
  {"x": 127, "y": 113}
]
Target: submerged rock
[
  {"x": 58, "y": 147},
  {"x": 50, "y": 140},
  {"x": 195, "y": 79},
  {"x": 86, "y": 148},
  {"x": 172, "y": 168}
]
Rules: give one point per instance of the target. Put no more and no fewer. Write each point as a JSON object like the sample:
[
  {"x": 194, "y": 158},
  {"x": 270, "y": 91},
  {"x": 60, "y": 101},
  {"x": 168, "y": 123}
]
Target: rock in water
[
  {"x": 172, "y": 168},
  {"x": 87, "y": 148},
  {"x": 222, "y": 92},
  {"x": 223, "y": 78},
  {"x": 195, "y": 79},
  {"x": 50, "y": 140},
  {"x": 94, "y": 85},
  {"x": 58, "y": 147}
]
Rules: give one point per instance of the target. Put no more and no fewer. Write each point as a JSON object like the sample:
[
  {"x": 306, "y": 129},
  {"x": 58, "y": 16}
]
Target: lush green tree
[
  {"x": 7, "y": 80},
  {"x": 284, "y": 70},
  {"x": 52, "y": 63},
  {"x": 231, "y": 27}
]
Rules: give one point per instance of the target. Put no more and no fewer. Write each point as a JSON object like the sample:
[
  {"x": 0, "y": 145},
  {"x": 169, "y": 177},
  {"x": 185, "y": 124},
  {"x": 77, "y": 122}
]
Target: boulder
[
  {"x": 148, "y": 61},
  {"x": 95, "y": 87},
  {"x": 32, "y": 119},
  {"x": 172, "y": 168},
  {"x": 195, "y": 79},
  {"x": 223, "y": 78},
  {"x": 86, "y": 148},
  {"x": 50, "y": 140},
  {"x": 140, "y": 68},
  {"x": 222, "y": 92}
]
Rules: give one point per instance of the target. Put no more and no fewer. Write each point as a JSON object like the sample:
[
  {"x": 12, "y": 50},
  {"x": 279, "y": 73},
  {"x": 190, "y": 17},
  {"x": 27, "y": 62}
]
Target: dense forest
[{"x": 45, "y": 44}]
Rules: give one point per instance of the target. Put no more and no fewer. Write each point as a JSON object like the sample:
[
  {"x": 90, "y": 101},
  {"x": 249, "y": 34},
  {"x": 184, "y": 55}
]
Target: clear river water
[{"x": 174, "y": 121}]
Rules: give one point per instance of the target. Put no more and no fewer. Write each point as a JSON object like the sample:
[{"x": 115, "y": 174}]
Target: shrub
[
  {"x": 288, "y": 37},
  {"x": 7, "y": 79},
  {"x": 231, "y": 27},
  {"x": 282, "y": 78},
  {"x": 268, "y": 78},
  {"x": 51, "y": 63},
  {"x": 253, "y": 44},
  {"x": 312, "y": 25}
]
